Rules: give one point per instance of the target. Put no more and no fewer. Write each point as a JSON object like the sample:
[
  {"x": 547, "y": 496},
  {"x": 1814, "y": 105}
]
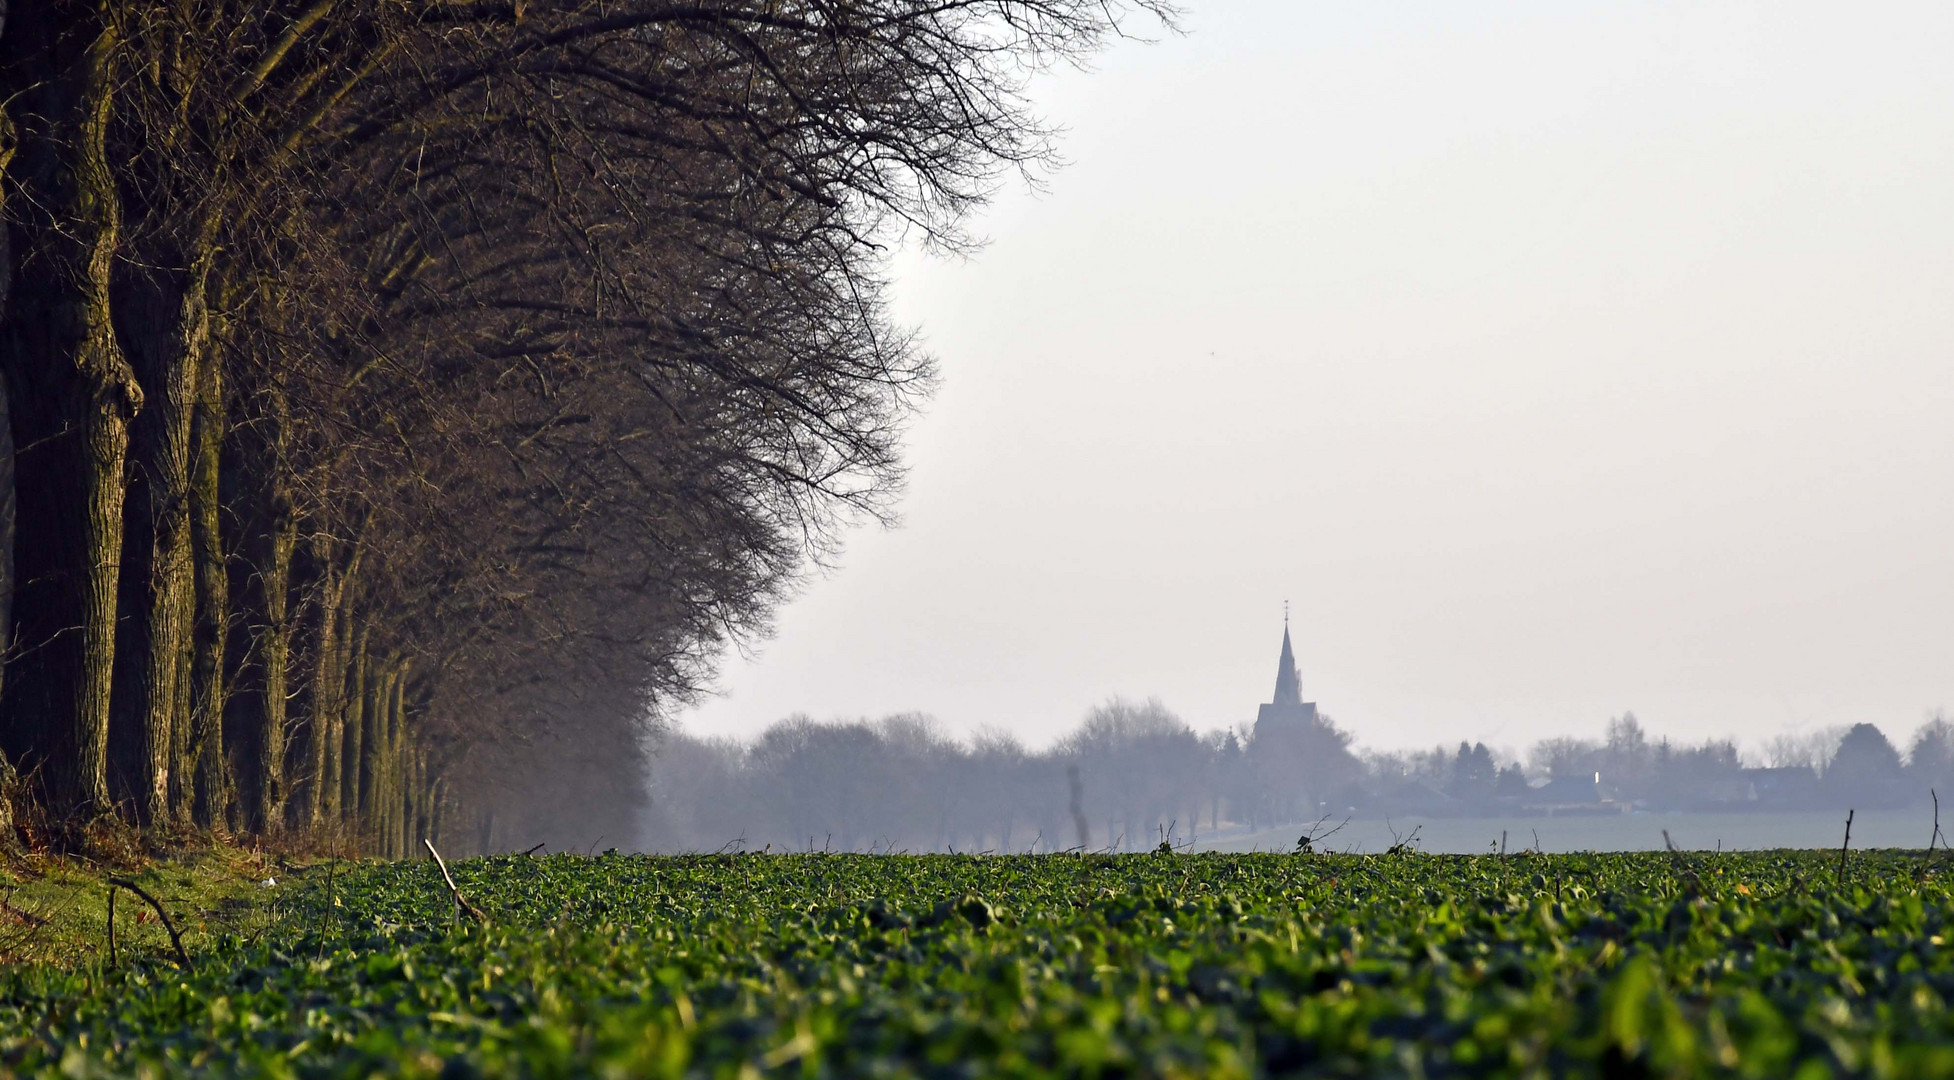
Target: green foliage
[{"x": 1752, "y": 965}]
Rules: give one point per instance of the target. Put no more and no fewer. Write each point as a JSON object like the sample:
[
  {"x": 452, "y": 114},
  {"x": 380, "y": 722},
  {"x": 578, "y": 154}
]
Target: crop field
[{"x": 1756, "y": 964}]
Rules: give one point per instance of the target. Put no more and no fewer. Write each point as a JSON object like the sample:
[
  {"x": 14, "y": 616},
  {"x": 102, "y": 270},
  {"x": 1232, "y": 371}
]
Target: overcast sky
[{"x": 1553, "y": 360}]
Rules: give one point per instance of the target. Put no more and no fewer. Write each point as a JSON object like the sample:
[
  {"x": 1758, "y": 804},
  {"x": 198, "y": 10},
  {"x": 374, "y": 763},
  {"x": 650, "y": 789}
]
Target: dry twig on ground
[{"x": 461, "y": 902}]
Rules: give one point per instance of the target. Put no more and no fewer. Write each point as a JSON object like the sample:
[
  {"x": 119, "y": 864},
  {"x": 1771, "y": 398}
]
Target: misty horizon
[
  {"x": 1134, "y": 775},
  {"x": 1757, "y": 752}
]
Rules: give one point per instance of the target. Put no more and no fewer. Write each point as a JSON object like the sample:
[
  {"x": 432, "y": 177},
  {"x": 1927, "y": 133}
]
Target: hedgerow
[{"x": 1175, "y": 965}]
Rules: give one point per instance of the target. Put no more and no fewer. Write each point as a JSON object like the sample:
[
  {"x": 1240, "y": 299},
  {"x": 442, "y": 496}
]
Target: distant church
[{"x": 1288, "y": 713}]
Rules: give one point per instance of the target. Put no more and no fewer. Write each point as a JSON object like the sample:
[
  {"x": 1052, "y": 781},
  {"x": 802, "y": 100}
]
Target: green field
[{"x": 1216, "y": 965}]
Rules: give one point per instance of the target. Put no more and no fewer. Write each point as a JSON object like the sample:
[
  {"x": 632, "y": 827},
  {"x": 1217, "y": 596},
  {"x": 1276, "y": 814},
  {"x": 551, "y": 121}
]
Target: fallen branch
[
  {"x": 176, "y": 939},
  {"x": 461, "y": 902},
  {"x": 112, "y": 960}
]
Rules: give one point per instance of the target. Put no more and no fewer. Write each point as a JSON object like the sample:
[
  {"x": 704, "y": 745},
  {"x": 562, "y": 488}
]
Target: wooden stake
[
  {"x": 1840, "y": 880},
  {"x": 1935, "y": 835}
]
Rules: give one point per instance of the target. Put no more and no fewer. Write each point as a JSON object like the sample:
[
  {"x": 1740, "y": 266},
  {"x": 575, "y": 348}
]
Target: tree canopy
[{"x": 407, "y": 401}]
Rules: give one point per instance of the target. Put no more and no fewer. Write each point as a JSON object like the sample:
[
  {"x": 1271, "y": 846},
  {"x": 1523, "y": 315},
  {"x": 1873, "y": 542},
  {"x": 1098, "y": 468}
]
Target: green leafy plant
[{"x": 1209, "y": 965}]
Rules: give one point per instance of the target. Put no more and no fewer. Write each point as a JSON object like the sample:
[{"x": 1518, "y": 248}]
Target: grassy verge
[{"x": 54, "y": 910}]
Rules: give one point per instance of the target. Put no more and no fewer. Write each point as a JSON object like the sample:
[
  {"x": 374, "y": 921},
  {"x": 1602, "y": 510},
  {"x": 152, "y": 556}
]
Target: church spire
[{"x": 1289, "y": 685}]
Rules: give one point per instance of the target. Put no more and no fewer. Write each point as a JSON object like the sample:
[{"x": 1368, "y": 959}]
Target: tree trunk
[
  {"x": 327, "y": 682},
  {"x": 413, "y": 794},
  {"x": 377, "y": 765},
  {"x": 328, "y": 712},
  {"x": 321, "y": 701},
  {"x": 440, "y": 812},
  {"x": 72, "y": 393},
  {"x": 263, "y": 703},
  {"x": 209, "y": 678},
  {"x": 6, "y": 519},
  {"x": 351, "y": 799},
  {"x": 183, "y": 768},
  {"x": 274, "y": 663},
  {"x": 342, "y": 701},
  {"x": 168, "y": 335},
  {"x": 372, "y": 742},
  {"x": 258, "y": 708},
  {"x": 7, "y": 150},
  {"x": 397, "y": 768}
]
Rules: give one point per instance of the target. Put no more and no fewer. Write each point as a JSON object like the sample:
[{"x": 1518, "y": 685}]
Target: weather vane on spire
[{"x": 1285, "y": 614}]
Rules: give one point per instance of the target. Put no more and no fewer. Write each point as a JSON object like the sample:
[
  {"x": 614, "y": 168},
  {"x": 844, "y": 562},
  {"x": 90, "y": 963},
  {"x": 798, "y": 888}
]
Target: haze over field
[{"x": 1554, "y": 360}]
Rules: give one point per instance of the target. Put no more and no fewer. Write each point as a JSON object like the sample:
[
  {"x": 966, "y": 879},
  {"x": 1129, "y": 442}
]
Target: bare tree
[{"x": 409, "y": 403}]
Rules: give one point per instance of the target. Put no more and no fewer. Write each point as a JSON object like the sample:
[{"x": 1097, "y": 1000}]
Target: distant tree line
[
  {"x": 405, "y": 401},
  {"x": 1133, "y": 775}
]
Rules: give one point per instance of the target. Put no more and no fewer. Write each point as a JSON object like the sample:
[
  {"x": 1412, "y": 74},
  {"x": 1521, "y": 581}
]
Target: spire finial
[{"x": 1288, "y": 684}]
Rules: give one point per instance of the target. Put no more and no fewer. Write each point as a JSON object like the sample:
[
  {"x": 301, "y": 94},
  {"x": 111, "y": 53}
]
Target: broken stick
[
  {"x": 176, "y": 940},
  {"x": 461, "y": 902}
]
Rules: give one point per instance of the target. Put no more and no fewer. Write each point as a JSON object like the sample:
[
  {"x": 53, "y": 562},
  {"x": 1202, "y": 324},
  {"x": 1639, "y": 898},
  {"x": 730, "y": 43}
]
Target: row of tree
[
  {"x": 404, "y": 402},
  {"x": 1830, "y": 767},
  {"x": 1132, "y": 776}
]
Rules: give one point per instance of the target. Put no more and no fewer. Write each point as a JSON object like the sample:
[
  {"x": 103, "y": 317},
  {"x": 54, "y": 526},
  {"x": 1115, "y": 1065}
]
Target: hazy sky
[{"x": 1553, "y": 359}]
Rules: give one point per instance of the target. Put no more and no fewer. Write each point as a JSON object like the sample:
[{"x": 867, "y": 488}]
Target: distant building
[
  {"x": 1794, "y": 787},
  {"x": 1571, "y": 796},
  {"x": 1288, "y": 713},
  {"x": 1300, "y": 766},
  {"x": 1567, "y": 791}
]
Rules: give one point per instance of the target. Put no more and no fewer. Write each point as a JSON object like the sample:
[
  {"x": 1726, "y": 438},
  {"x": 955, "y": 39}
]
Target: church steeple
[
  {"x": 1288, "y": 716},
  {"x": 1289, "y": 685}
]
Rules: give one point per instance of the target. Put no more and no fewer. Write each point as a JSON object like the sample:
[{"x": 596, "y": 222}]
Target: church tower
[{"x": 1288, "y": 711}]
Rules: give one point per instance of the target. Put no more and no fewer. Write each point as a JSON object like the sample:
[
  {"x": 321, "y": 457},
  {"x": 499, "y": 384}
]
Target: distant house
[
  {"x": 1570, "y": 795},
  {"x": 1786, "y": 788},
  {"x": 1723, "y": 793},
  {"x": 1571, "y": 790}
]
